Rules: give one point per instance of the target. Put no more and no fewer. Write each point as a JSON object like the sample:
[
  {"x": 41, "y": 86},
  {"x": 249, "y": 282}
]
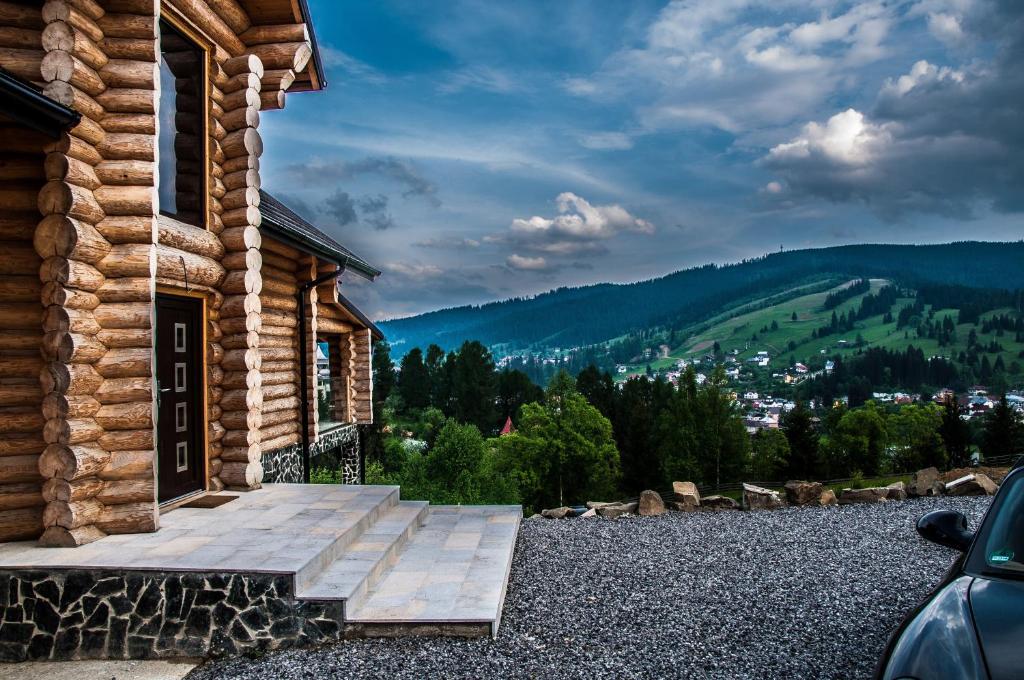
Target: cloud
[
  {"x": 335, "y": 58},
  {"x": 449, "y": 243},
  {"x": 341, "y": 207},
  {"x": 579, "y": 227},
  {"x": 606, "y": 141},
  {"x": 522, "y": 263},
  {"x": 938, "y": 139},
  {"x": 374, "y": 211},
  {"x": 480, "y": 77},
  {"x": 402, "y": 172}
]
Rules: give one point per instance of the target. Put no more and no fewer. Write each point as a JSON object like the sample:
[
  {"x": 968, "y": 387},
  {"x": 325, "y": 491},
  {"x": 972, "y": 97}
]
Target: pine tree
[
  {"x": 414, "y": 380},
  {"x": 1004, "y": 431},
  {"x": 955, "y": 433},
  {"x": 803, "y": 442}
]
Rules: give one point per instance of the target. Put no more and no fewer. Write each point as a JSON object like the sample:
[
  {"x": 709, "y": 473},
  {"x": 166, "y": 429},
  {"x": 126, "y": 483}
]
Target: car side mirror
[{"x": 947, "y": 528}]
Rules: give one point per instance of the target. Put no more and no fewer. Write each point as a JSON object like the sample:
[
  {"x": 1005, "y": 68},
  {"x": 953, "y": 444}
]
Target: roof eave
[
  {"x": 344, "y": 261},
  {"x": 33, "y": 109}
]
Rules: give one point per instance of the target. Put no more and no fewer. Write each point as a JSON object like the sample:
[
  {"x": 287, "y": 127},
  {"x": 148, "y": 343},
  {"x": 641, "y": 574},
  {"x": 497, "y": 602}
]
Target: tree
[
  {"x": 770, "y": 457},
  {"x": 955, "y": 433},
  {"x": 798, "y": 426},
  {"x": 721, "y": 437},
  {"x": 1003, "y": 433},
  {"x": 563, "y": 452},
  {"x": 474, "y": 387},
  {"x": 434, "y": 360},
  {"x": 597, "y": 388},
  {"x": 515, "y": 389},
  {"x": 453, "y": 462},
  {"x": 383, "y": 385},
  {"x": 634, "y": 431},
  {"x": 860, "y": 440},
  {"x": 414, "y": 380},
  {"x": 914, "y": 435}
]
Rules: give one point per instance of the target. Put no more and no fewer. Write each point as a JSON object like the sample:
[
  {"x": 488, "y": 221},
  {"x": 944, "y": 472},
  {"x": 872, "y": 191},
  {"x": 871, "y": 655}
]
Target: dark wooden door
[{"x": 179, "y": 366}]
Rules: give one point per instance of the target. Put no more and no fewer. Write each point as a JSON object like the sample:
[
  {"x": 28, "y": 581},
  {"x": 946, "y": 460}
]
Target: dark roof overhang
[
  {"x": 25, "y": 104},
  {"x": 362, "y": 318},
  {"x": 289, "y": 227},
  {"x": 317, "y": 63}
]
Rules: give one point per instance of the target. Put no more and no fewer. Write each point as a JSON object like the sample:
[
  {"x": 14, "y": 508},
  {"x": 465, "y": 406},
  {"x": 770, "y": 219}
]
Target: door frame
[{"x": 204, "y": 437}]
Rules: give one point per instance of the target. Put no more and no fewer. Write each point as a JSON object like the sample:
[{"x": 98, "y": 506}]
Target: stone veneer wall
[
  {"x": 336, "y": 449},
  {"x": 110, "y": 614}
]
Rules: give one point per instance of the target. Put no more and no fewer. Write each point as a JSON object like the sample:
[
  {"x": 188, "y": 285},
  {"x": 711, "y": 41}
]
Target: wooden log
[
  {"x": 241, "y": 238},
  {"x": 69, "y": 95},
  {"x": 21, "y": 16},
  {"x": 279, "y": 442},
  {"x": 66, "y": 67},
  {"x": 19, "y": 366},
  {"x": 59, "y": 489},
  {"x": 22, "y": 38},
  {"x": 132, "y": 123},
  {"x": 127, "y": 200},
  {"x": 240, "y": 341},
  {"x": 18, "y": 226},
  {"x": 242, "y": 117},
  {"x": 282, "y": 404},
  {"x": 21, "y": 524},
  {"x": 20, "y": 259},
  {"x": 242, "y": 475},
  {"x": 135, "y": 337},
  {"x": 188, "y": 238},
  {"x": 184, "y": 266},
  {"x": 241, "y": 283},
  {"x": 70, "y": 379},
  {"x": 118, "y": 229},
  {"x": 61, "y": 36},
  {"x": 129, "y": 518},
  {"x": 58, "y": 10},
  {"x": 24, "y": 63},
  {"x": 72, "y": 462},
  {"x": 277, "y": 33},
  {"x": 243, "y": 453},
  {"x": 74, "y": 431},
  {"x": 124, "y": 390},
  {"x": 128, "y": 260},
  {"x": 68, "y": 199},
  {"x": 20, "y": 418},
  {"x": 131, "y": 362},
  {"x": 283, "y": 55},
  {"x": 203, "y": 15},
  {"x": 17, "y": 395},
  {"x": 241, "y": 98},
  {"x": 62, "y": 236},
  {"x": 244, "y": 142},
  {"x": 72, "y": 273},
  {"x": 72, "y": 347},
  {"x": 127, "y": 440},
  {"x": 143, "y": 27},
  {"x": 118, "y": 492},
  {"x": 126, "y": 173},
  {"x": 77, "y": 321},
  {"x": 239, "y": 420},
  {"x": 128, "y": 465},
  {"x": 21, "y": 495},
  {"x": 124, "y": 315},
  {"x": 18, "y": 469},
  {"x": 240, "y": 163},
  {"x": 62, "y": 167},
  {"x": 128, "y": 146},
  {"x": 129, "y": 73},
  {"x": 56, "y": 405},
  {"x": 72, "y": 514},
  {"x": 275, "y": 80}
]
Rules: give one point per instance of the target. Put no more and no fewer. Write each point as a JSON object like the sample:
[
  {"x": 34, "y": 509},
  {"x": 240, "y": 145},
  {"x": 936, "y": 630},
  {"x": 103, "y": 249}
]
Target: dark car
[{"x": 972, "y": 624}]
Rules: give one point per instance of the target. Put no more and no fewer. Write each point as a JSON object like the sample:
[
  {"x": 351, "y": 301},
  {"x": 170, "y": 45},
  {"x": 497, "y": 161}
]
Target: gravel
[{"x": 799, "y": 592}]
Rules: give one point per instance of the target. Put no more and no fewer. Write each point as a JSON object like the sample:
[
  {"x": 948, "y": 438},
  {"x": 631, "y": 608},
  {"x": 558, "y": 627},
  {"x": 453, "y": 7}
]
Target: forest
[{"x": 438, "y": 416}]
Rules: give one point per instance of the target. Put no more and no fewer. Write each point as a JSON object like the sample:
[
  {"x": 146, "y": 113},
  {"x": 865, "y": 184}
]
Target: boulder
[
  {"x": 597, "y": 504},
  {"x": 686, "y": 496},
  {"x": 590, "y": 513},
  {"x": 803, "y": 493},
  {"x": 558, "y": 513},
  {"x": 536, "y": 515},
  {"x": 719, "y": 503},
  {"x": 897, "y": 491},
  {"x": 922, "y": 482},
  {"x": 651, "y": 504},
  {"x": 759, "y": 498},
  {"x": 613, "y": 510},
  {"x": 875, "y": 494},
  {"x": 972, "y": 485},
  {"x": 939, "y": 488},
  {"x": 827, "y": 498}
]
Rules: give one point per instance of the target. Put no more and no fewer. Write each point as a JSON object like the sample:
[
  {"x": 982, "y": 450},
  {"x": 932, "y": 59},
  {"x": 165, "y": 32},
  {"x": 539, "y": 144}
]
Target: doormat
[{"x": 208, "y": 501}]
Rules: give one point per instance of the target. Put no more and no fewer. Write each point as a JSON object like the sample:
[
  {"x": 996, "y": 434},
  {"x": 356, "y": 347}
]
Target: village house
[{"x": 166, "y": 329}]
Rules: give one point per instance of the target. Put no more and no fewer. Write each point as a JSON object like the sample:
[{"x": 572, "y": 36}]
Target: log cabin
[{"x": 161, "y": 315}]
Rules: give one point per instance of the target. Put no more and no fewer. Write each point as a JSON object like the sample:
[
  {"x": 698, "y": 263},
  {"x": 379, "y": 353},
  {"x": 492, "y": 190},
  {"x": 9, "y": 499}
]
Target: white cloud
[
  {"x": 846, "y": 138},
  {"x": 526, "y": 263},
  {"x": 412, "y": 270},
  {"x": 335, "y": 58},
  {"x": 921, "y": 73},
  {"x": 773, "y": 188},
  {"x": 480, "y": 77},
  {"x": 946, "y": 28},
  {"x": 578, "y": 219},
  {"x": 602, "y": 141}
]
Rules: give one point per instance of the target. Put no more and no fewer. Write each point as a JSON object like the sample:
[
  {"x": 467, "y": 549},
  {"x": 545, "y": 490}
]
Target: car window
[{"x": 999, "y": 549}]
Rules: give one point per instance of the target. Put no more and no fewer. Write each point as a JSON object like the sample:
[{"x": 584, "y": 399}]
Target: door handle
[{"x": 165, "y": 389}]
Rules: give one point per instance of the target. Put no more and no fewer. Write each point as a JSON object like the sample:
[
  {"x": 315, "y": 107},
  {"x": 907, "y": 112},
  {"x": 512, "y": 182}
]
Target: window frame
[{"x": 176, "y": 21}]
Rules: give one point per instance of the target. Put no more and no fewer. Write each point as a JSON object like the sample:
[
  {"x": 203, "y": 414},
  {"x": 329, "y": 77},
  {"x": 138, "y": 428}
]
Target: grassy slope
[{"x": 735, "y": 333}]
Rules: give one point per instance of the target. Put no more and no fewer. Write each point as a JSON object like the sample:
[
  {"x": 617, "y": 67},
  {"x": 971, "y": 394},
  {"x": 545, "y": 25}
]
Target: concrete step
[
  {"x": 449, "y": 578},
  {"x": 360, "y": 515},
  {"x": 351, "y": 574}
]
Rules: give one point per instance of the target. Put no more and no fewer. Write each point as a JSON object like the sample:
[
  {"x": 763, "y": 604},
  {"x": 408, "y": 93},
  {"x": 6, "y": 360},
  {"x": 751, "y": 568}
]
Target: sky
[{"x": 476, "y": 150}]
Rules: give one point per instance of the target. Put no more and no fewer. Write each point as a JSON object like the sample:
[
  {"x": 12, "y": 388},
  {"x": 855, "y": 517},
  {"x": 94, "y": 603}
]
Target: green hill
[{"x": 690, "y": 301}]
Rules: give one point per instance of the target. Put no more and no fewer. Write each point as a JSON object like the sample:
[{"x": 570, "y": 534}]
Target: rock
[
  {"x": 897, "y": 491},
  {"x": 719, "y": 503},
  {"x": 972, "y": 485},
  {"x": 597, "y": 504},
  {"x": 685, "y": 494},
  {"x": 922, "y": 482},
  {"x": 613, "y": 510},
  {"x": 827, "y": 498},
  {"x": 558, "y": 513},
  {"x": 651, "y": 504},
  {"x": 536, "y": 515},
  {"x": 803, "y": 493},
  {"x": 590, "y": 513},
  {"x": 877, "y": 494},
  {"x": 759, "y": 498},
  {"x": 939, "y": 488},
  {"x": 683, "y": 507}
]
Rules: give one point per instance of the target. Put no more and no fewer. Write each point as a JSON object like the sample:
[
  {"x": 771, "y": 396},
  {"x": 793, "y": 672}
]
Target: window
[
  {"x": 182, "y": 127},
  {"x": 331, "y": 380}
]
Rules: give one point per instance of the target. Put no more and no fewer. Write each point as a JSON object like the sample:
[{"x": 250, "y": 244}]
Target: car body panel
[
  {"x": 939, "y": 642},
  {"x": 998, "y": 608}
]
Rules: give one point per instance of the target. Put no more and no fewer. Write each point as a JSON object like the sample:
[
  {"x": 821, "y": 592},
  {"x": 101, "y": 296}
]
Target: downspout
[{"x": 300, "y": 297}]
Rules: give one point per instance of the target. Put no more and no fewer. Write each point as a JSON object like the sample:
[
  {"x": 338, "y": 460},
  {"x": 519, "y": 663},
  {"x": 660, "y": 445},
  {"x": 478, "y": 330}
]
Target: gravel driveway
[{"x": 794, "y": 593}]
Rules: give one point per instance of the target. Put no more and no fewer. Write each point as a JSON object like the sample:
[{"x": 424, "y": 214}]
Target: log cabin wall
[
  {"x": 101, "y": 252},
  {"x": 21, "y": 332}
]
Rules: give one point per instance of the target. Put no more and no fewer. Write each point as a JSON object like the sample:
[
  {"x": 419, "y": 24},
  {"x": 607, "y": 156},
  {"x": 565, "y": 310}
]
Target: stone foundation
[
  {"x": 109, "y": 614},
  {"x": 336, "y": 449}
]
